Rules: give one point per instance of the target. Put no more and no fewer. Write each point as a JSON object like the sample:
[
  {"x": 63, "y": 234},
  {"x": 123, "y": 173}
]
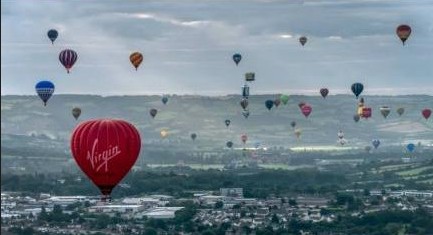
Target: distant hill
[{"x": 26, "y": 116}]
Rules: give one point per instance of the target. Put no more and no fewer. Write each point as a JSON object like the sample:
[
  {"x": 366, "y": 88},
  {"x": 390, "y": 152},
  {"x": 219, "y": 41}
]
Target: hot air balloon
[
  {"x": 68, "y": 58},
  {"x": 45, "y": 90},
  {"x": 356, "y": 117},
  {"x": 342, "y": 141},
  {"x": 375, "y": 143},
  {"x": 366, "y": 112},
  {"x": 385, "y": 110},
  {"x": 400, "y": 111},
  {"x": 367, "y": 148},
  {"x": 229, "y": 144},
  {"x": 244, "y": 103},
  {"x": 284, "y": 99},
  {"x": 136, "y": 58},
  {"x": 164, "y": 133},
  {"x": 324, "y": 92},
  {"x": 269, "y": 104},
  {"x": 227, "y": 122},
  {"x": 105, "y": 150},
  {"x": 246, "y": 113},
  {"x": 76, "y": 112},
  {"x": 244, "y": 138},
  {"x": 245, "y": 91},
  {"x": 303, "y": 40},
  {"x": 153, "y": 112},
  {"x": 164, "y": 99},
  {"x": 403, "y": 32},
  {"x": 250, "y": 77},
  {"x": 357, "y": 89},
  {"x": 306, "y": 110},
  {"x": 293, "y": 124},
  {"x": 237, "y": 58},
  {"x": 52, "y": 35},
  {"x": 277, "y": 102},
  {"x": 426, "y": 113},
  {"x": 301, "y": 104},
  {"x": 193, "y": 136},
  {"x": 410, "y": 147},
  {"x": 298, "y": 133},
  {"x": 340, "y": 134}
]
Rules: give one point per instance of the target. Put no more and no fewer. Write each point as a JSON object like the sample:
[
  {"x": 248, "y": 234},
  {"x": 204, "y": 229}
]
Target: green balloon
[{"x": 284, "y": 99}]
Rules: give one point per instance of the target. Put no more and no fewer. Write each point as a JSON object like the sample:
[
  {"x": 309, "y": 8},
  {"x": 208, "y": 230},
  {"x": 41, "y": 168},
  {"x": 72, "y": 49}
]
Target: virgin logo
[{"x": 100, "y": 159}]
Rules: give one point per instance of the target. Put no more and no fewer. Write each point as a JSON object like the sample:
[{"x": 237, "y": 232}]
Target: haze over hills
[{"x": 183, "y": 115}]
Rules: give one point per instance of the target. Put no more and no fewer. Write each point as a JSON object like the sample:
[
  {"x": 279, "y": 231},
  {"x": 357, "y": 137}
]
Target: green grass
[{"x": 413, "y": 172}]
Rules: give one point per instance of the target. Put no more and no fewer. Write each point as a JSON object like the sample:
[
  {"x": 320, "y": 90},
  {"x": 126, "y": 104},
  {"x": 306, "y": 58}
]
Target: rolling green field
[{"x": 220, "y": 166}]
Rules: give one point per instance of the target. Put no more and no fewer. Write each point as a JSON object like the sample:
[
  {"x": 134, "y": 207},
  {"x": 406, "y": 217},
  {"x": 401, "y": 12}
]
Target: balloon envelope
[
  {"x": 193, "y": 136},
  {"x": 403, "y": 32},
  {"x": 76, "y": 112},
  {"x": 385, "y": 111},
  {"x": 244, "y": 103},
  {"x": 293, "y": 124},
  {"x": 52, "y": 35},
  {"x": 237, "y": 58},
  {"x": 68, "y": 58},
  {"x": 410, "y": 147},
  {"x": 269, "y": 104},
  {"x": 229, "y": 144},
  {"x": 301, "y": 104},
  {"x": 136, "y": 58},
  {"x": 357, "y": 89},
  {"x": 246, "y": 113},
  {"x": 375, "y": 143},
  {"x": 356, "y": 117},
  {"x": 306, "y": 110},
  {"x": 153, "y": 112},
  {"x": 105, "y": 150},
  {"x": 164, "y": 99},
  {"x": 244, "y": 138},
  {"x": 303, "y": 40},
  {"x": 284, "y": 99},
  {"x": 277, "y": 102},
  {"x": 324, "y": 92},
  {"x": 227, "y": 122},
  {"x": 426, "y": 113},
  {"x": 45, "y": 90},
  {"x": 400, "y": 111}
]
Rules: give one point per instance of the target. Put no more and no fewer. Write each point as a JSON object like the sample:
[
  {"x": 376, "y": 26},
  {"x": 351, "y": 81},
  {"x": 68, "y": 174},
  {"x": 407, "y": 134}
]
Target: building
[
  {"x": 162, "y": 212},
  {"x": 232, "y": 192},
  {"x": 116, "y": 208}
]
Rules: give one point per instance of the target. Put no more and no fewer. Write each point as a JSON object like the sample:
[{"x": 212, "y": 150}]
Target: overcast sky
[{"x": 188, "y": 45}]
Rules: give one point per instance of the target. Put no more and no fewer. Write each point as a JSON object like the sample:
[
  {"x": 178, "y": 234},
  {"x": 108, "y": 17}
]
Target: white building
[
  {"x": 116, "y": 208},
  {"x": 162, "y": 212}
]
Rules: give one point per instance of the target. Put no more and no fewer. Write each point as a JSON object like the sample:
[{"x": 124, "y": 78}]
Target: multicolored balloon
[
  {"x": 237, "y": 58},
  {"x": 403, "y": 32},
  {"x": 136, "y": 58},
  {"x": 105, "y": 150},
  {"x": 68, "y": 58},
  {"x": 52, "y": 35},
  {"x": 244, "y": 103},
  {"x": 45, "y": 90}
]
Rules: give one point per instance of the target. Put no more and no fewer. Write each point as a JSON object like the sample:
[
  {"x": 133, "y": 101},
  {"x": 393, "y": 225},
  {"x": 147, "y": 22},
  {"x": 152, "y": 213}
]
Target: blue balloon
[
  {"x": 52, "y": 35},
  {"x": 410, "y": 147},
  {"x": 164, "y": 100},
  {"x": 375, "y": 143},
  {"x": 357, "y": 89},
  {"x": 237, "y": 58},
  {"x": 269, "y": 104},
  {"x": 45, "y": 90}
]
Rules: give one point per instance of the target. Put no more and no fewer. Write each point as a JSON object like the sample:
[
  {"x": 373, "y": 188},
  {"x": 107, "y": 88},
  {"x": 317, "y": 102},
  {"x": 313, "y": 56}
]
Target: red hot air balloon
[
  {"x": 366, "y": 112},
  {"x": 244, "y": 138},
  {"x": 105, "y": 150},
  {"x": 403, "y": 32},
  {"x": 68, "y": 58},
  {"x": 306, "y": 110},
  {"x": 426, "y": 113}
]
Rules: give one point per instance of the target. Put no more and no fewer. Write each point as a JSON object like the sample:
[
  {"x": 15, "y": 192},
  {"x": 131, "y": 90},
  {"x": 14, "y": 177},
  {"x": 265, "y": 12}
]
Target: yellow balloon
[{"x": 164, "y": 133}]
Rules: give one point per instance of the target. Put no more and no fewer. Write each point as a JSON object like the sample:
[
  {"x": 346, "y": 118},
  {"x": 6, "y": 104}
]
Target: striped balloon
[
  {"x": 357, "y": 88},
  {"x": 68, "y": 58},
  {"x": 45, "y": 90},
  {"x": 136, "y": 58}
]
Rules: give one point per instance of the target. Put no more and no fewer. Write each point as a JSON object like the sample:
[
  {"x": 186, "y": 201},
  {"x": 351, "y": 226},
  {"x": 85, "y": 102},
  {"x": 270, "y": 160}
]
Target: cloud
[{"x": 165, "y": 19}]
